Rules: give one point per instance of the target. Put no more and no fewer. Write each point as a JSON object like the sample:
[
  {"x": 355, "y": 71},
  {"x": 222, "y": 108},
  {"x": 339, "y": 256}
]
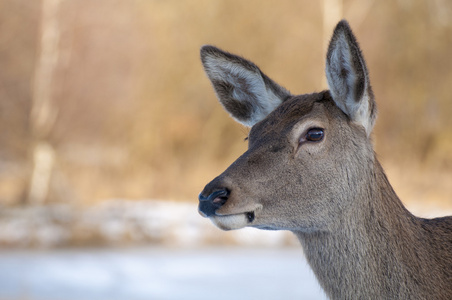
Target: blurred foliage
[{"x": 137, "y": 117}]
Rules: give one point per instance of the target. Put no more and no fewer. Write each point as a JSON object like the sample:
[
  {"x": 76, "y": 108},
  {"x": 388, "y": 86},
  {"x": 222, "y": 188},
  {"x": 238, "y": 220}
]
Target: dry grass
[{"x": 137, "y": 117}]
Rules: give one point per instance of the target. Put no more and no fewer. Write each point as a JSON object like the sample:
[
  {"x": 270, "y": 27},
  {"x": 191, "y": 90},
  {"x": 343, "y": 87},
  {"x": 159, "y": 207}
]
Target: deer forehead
[{"x": 294, "y": 117}]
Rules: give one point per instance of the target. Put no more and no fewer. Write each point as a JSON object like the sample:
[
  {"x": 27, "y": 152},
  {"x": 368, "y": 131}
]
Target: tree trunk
[{"x": 43, "y": 113}]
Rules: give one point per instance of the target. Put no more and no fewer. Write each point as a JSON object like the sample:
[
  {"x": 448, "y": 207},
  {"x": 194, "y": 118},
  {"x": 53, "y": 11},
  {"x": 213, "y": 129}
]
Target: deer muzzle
[{"x": 210, "y": 203}]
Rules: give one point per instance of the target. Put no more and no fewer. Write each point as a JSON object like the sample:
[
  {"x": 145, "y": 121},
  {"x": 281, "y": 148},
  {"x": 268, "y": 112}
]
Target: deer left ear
[
  {"x": 348, "y": 79},
  {"x": 242, "y": 88}
]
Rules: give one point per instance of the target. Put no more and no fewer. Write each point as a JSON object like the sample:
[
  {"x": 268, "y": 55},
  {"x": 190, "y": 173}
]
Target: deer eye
[{"x": 315, "y": 135}]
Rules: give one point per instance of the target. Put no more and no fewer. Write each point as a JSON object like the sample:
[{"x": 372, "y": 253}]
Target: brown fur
[{"x": 359, "y": 239}]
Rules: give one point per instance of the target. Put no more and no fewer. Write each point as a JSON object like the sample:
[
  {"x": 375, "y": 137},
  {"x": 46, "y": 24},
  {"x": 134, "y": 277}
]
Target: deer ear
[
  {"x": 243, "y": 90},
  {"x": 348, "y": 79}
]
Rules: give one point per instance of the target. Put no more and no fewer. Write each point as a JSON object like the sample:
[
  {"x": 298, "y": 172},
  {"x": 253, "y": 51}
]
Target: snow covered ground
[
  {"x": 122, "y": 222},
  {"x": 139, "y": 222},
  {"x": 157, "y": 273},
  {"x": 193, "y": 259}
]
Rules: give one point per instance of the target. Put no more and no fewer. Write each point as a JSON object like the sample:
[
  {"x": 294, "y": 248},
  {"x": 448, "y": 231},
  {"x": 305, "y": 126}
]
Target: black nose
[{"x": 209, "y": 204}]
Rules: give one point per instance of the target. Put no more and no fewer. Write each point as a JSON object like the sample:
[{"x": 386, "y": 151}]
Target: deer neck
[{"x": 369, "y": 252}]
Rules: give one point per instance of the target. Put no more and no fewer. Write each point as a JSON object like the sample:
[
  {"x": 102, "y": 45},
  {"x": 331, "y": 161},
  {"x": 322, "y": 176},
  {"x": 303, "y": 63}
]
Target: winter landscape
[
  {"x": 145, "y": 250},
  {"x": 103, "y": 101},
  {"x": 182, "y": 256},
  {"x": 157, "y": 273}
]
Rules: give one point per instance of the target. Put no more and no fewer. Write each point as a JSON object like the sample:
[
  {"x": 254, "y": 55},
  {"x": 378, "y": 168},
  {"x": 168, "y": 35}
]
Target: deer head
[{"x": 309, "y": 156}]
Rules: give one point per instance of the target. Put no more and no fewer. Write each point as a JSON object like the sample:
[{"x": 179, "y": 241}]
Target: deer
[{"x": 311, "y": 169}]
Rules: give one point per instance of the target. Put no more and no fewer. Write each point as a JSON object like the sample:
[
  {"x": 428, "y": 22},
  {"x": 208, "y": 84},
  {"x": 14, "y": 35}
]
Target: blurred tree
[
  {"x": 18, "y": 39},
  {"x": 43, "y": 111},
  {"x": 117, "y": 97}
]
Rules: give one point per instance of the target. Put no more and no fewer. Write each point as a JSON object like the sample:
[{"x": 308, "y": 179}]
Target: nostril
[
  {"x": 209, "y": 204},
  {"x": 216, "y": 197},
  {"x": 220, "y": 200}
]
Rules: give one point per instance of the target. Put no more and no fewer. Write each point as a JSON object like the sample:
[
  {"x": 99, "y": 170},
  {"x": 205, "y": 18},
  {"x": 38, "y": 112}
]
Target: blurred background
[{"x": 110, "y": 128}]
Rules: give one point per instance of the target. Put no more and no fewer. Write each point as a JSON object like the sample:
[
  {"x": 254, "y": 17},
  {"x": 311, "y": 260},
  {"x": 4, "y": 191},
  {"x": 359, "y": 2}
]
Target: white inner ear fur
[
  {"x": 343, "y": 91},
  {"x": 249, "y": 86},
  {"x": 341, "y": 60},
  {"x": 362, "y": 114}
]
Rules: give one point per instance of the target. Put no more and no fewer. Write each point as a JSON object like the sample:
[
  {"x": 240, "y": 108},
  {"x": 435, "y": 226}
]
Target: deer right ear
[
  {"x": 348, "y": 79},
  {"x": 243, "y": 90}
]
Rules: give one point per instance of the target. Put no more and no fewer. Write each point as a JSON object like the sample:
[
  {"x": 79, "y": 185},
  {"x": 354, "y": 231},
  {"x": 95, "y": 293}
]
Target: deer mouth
[
  {"x": 250, "y": 216},
  {"x": 233, "y": 221}
]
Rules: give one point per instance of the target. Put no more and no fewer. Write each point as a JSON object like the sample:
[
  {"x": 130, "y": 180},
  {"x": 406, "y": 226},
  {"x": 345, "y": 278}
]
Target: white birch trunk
[{"x": 43, "y": 113}]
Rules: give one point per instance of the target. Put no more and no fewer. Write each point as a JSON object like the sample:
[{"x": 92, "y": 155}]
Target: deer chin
[
  {"x": 230, "y": 222},
  {"x": 233, "y": 221}
]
